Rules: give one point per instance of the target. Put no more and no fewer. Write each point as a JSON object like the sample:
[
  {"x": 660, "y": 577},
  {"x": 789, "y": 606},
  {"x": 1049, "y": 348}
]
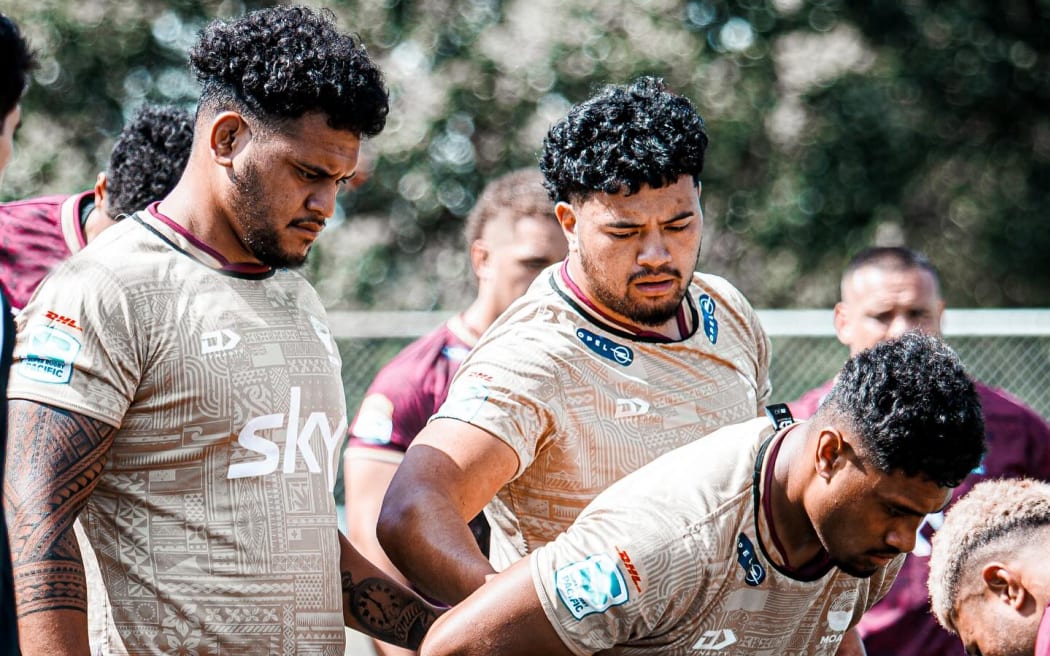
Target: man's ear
[
  {"x": 100, "y": 191},
  {"x": 479, "y": 258},
  {"x": 843, "y": 327},
  {"x": 1005, "y": 585},
  {"x": 229, "y": 136},
  {"x": 830, "y": 453},
  {"x": 567, "y": 218}
]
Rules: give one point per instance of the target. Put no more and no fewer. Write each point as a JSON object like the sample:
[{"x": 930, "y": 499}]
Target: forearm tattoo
[
  {"x": 54, "y": 459},
  {"x": 387, "y": 612}
]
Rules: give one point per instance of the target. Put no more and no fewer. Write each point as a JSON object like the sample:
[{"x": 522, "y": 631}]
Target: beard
[
  {"x": 251, "y": 208},
  {"x": 653, "y": 314}
]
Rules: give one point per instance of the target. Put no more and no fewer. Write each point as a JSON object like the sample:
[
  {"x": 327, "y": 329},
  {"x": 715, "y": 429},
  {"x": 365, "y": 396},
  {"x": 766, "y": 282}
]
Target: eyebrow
[
  {"x": 317, "y": 170},
  {"x": 623, "y": 223}
]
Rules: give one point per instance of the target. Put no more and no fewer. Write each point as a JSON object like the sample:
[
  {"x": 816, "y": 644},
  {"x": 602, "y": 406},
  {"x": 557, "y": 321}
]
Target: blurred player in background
[
  {"x": 612, "y": 358},
  {"x": 17, "y": 62},
  {"x": 512, "y": 235},
  {"x": 176, "y": 385},
  {"x": 886, "y": 291},
  {"x": 144, "y": 165},
  {"x": 989, "y": 571},
  {"x": 757, "y": 539}
]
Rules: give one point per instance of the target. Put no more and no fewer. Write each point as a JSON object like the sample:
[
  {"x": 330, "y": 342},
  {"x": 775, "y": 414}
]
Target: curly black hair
[
  {"x": 148, "y": 158},
  {"x": 17, "y": 60},
  {"x": 621, "y": 138},
  {"x": 913, "y": 409},
  {"x": 279, "y": 63}
]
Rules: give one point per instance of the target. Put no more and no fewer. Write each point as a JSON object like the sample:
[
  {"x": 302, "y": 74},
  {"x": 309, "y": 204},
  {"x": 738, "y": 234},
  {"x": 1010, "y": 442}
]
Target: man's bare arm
[
  {"x": 448, "y": 475},
  {"x": 54, "y": 459},
  {"x": 378, "y": 606},
  {"x": 366, "y": 479},
  {"x": 503, "y": 618}
]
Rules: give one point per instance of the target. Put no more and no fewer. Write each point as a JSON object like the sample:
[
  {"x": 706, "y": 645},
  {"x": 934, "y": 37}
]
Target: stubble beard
[
  {"x": 650, "y": 315},
  {"x": 251, "y": 210}
]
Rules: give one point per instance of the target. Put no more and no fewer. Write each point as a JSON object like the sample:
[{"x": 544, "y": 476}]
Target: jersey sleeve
[
  {"x": 510, "y": 386},
  {"x": 78, "y": 346},
  {"x": 607, "y": 582}
]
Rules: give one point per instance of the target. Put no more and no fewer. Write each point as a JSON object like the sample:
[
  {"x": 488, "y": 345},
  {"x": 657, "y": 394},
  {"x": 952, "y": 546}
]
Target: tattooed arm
[
  {"x": 378, "y": 606},
  {"x": 54, "y": 459}
]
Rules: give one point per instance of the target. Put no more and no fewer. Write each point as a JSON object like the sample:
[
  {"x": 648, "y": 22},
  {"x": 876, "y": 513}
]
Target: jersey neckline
[{"x": 195, "y": 248}]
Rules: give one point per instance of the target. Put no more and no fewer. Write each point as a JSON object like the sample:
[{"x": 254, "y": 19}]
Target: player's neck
[
  {"x": 790, "y": 522},
  {"x": 478, "y": 317}
]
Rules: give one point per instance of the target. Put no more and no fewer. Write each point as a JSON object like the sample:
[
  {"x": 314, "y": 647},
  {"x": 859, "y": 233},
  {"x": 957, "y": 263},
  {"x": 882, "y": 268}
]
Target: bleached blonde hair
[{"x": 995, "y": 517}]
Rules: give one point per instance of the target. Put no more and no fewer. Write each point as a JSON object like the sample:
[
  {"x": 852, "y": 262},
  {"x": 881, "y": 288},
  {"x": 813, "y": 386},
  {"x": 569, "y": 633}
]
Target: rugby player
[
  {"x": 989, "y": 573},
  {"x": 759, "y": 538},
  {"x": 176, "y": 385},
  {"x": 512, "y": 235},
  {"x": 612, "y": 358},
  {"x": 38, "y": 233},
  {"x": 885, "y": 292}
]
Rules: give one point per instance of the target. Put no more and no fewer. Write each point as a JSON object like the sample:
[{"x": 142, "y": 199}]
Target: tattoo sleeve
[
  {"x": 54, "y": 459},
  {"x": 387, "y": 611}
]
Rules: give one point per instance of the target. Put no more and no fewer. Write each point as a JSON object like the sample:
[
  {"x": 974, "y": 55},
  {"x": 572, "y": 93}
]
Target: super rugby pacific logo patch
[
  {"x": 707, "y": 316},
  {"x": 606, "y": 348},
  {"x": 49, "y": 356},
  {"x": 591, "y": 586},
  {"x": 754, "y": 572}
]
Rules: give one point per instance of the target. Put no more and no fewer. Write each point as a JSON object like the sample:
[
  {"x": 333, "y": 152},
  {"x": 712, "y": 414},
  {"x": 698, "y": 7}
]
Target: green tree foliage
[{"x": 833, "y": 125}]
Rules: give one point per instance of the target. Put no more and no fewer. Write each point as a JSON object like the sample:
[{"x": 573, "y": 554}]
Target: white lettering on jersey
[
  {"x": 216, "y": 341},
  {"x": 715, "y": 640},
  {"x": 297, "y": 441},
  {"x": 631, "y": 407}
]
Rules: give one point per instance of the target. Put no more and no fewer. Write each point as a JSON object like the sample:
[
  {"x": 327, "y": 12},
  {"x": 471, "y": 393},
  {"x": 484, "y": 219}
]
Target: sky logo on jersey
[
  {"x": 591, "y": 586},
  {"x": 296, "y": 443},
  {"x": 49, "y": 356},
  {"x": 754, "y": 573},
  {"x": 606, "y": 348},
  {"x": 707, "y": 316}
]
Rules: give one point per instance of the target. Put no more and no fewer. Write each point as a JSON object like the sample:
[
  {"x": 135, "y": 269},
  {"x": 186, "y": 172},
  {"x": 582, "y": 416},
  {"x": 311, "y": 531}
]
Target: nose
[
  {"x": 653, "y": 253},
  {"x": 901, "y": 324},
  {"x": 321, "y": 200},
  {"x": 902, "y": 538}
]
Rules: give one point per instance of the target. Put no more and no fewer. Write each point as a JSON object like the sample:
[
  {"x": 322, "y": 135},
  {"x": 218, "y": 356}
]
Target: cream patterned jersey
[
  {"x": 584, "y": 403},
  {"x": 668, "y": 561},
  {"x": 214, "y": 522}
]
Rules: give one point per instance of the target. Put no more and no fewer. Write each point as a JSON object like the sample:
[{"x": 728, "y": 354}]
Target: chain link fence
[{"x": 1006, "y": 349}]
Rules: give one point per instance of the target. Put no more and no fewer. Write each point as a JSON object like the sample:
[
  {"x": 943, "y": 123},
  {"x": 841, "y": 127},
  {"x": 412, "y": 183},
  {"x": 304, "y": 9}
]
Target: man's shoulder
[
  {"x": 998, "y": 400},
  {"x": 32, "y": 206},
  {"x": 419, "y": 358}
]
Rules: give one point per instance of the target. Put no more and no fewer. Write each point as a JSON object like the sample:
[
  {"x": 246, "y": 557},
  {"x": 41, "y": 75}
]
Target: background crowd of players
[{"x": 176, "y": 412}]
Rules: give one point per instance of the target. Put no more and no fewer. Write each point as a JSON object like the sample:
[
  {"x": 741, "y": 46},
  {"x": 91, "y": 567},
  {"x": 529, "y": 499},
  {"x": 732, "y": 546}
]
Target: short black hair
[
  {"x": 17, "y": 61},
  {"x": 895, "y": 258},
  {"x": 621, "y": 138},
  {"x": 912, "y": 407},
  {"x": 148, "y": 158},
  {"x": 519, "y": 193},
  {"x": 279, "y": 63}
]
